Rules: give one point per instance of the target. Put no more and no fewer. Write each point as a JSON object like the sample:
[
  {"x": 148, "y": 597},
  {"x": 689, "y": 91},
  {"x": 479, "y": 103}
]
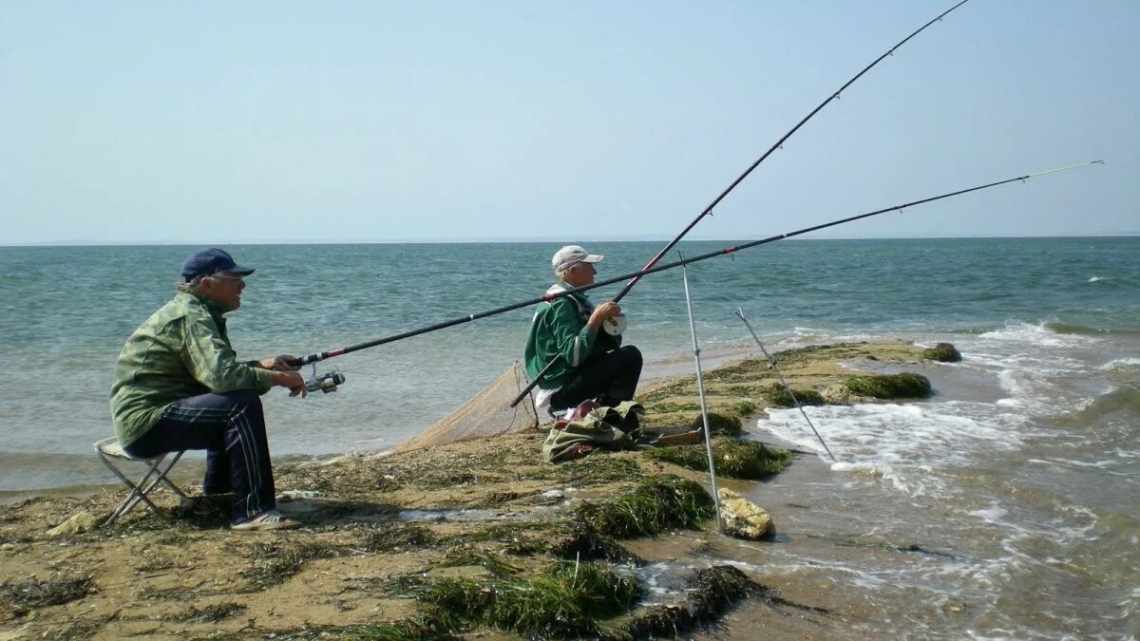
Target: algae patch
[
  {"x": 655, "y": 505},
  {"x": 943, "y": 353},
  {"x": 564, "y": 601},
  {"x": 210, "y": 614},
  {"x": 733, "y": 459},
  {"x": 22, "y": 596},
  {"x": 890, "y": 386},
  {"x": 274, "y": 564},
  {"x": 711, "y": 592},
  {"x": 778, "y": 395},
  {"x": 396, "y": 538}
]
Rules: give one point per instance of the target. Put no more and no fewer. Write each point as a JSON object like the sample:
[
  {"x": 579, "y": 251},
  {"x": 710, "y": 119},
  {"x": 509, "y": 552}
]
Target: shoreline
[
  {"x": 479, "y": 512},
  {"x": 191, "y": 468}
]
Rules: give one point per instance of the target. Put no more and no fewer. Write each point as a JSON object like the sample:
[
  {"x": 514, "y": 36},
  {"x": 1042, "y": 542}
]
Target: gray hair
[
  {"x": 193, "y": 286},
  {"x": 561, "y": 270}
]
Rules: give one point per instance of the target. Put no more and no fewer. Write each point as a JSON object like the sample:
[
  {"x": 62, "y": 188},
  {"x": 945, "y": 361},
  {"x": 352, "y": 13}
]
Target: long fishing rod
[
  {"x": 778, "y": 145},
  {"x": 707, "y": 211},
  {"x": 320, "y": 356}
]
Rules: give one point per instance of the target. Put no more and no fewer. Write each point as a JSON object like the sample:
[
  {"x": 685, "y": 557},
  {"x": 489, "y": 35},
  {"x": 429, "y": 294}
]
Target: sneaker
[{"x": 270, "y": 520}]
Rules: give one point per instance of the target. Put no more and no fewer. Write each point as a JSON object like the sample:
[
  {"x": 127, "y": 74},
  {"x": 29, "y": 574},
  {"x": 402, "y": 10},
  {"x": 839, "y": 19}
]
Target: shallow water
[{"x": 1004, "y": 507}]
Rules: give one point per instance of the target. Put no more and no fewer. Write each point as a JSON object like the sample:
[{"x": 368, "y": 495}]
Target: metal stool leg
[{"x": 155, "y": 474}]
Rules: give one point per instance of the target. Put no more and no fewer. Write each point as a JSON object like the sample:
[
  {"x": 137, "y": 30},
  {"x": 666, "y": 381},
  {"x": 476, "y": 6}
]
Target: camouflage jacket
[{"x": 182, "y": 350}]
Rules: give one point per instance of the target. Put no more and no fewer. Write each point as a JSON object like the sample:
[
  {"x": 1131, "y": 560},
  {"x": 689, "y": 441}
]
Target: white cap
[{"x": 571, "y": 255}]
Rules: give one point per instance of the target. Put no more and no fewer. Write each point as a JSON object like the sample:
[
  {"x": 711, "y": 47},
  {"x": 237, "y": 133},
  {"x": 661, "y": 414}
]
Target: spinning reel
[{"x": 327, "y": 382}]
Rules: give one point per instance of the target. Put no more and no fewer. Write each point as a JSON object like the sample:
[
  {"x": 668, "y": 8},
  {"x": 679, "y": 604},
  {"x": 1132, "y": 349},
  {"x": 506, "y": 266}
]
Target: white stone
[
  {"x": 743, "y": 518},
  {"x": 76, "y": 523}
]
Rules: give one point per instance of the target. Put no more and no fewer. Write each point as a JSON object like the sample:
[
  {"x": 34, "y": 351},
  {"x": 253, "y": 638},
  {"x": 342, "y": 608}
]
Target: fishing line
[
  {"x": 340, "y": 351},
  {"x": 784, "y": 382},
  {"x": 707, "y": 211}
]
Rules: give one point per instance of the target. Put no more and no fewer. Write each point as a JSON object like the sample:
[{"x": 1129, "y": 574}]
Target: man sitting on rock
[
  {"x": 589, "y": 360},
  {"x": 180, "y": 386}
]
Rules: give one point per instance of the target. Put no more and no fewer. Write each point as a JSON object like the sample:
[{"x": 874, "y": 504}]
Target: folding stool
[{"x": 109, "y": 449}]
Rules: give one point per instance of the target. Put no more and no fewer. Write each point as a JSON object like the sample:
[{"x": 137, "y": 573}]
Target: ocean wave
[
  {"x": 1042, "y": 334},
  {"x": 1129, "y": 362},
  {"x": 1123, "y": 399},
  {"x": 899, "y": 445},
  {"x": 1077, "y": 329}
]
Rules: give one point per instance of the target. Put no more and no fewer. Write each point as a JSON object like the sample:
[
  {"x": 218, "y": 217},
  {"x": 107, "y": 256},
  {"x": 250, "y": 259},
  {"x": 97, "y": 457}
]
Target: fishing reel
[
  {"x": 615, "y": 325},
  {"x": 327, "y": 382}
]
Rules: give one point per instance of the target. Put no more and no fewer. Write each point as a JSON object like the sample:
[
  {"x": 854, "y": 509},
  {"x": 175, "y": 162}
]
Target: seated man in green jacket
[
  {"x": 591, "y": 363},
  {"x": 179, "y": 386}
]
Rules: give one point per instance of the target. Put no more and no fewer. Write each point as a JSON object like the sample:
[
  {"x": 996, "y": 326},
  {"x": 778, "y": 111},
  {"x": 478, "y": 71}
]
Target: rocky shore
[{"x": 478, "y": 539}]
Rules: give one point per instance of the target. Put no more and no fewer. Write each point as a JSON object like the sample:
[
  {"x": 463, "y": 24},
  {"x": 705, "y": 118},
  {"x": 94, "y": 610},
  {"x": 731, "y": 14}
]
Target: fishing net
[{"x": 488, "y": 413}]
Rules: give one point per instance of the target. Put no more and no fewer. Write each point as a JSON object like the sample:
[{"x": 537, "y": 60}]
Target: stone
[
  {"x": 836, "y": 394},
  {"x": 742, "y": 518},
  {"x": 75, "y": 524},
  {"x": 943, "y": 353}
]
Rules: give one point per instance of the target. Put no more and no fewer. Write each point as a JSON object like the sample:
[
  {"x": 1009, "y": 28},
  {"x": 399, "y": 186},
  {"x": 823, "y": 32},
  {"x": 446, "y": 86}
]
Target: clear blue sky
[{"x": 125, "y": 122}]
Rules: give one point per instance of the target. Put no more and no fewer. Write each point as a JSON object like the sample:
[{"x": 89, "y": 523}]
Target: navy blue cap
[{"x": 211, "y": 261}]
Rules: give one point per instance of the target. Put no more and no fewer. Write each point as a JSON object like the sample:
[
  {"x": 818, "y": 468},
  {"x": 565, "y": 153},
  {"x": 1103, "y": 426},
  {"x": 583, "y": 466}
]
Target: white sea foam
[
  {"x": 1035, "y": 334},
  {"x": 1129, "y": 362},
  {"x": 900, "y": 443},
  {"x": 992, "y": 514}
]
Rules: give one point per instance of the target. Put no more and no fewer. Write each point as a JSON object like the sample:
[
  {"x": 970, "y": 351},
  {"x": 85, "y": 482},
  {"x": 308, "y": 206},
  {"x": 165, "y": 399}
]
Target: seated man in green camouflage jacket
[{"x": 180, "y": 386}]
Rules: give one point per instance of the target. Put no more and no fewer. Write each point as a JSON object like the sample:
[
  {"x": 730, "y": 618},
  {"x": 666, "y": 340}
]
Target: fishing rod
[
  {"x": 320, "y": 356},
  {"x": 707, "y": 211}
]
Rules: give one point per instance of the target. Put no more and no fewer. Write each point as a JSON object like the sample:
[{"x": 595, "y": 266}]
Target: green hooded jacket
[
  {"x": 559, "y": 330},
  {"x": 182, "y": 350}
]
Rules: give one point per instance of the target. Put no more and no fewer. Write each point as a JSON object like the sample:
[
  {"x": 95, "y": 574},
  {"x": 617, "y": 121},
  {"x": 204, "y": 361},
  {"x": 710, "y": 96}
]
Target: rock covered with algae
[
  {"x": 943, "y": 353},
  {"x": 742, "y": 518},
  {"x": 890, "y": 386}
]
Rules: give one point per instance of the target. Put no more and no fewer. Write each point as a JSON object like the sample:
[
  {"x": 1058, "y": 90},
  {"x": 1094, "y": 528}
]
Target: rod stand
[{"x": 701, "y": 392}]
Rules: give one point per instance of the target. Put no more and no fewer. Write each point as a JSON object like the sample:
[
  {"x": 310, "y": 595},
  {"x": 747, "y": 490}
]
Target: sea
[{"x": 1007, "y": 506}]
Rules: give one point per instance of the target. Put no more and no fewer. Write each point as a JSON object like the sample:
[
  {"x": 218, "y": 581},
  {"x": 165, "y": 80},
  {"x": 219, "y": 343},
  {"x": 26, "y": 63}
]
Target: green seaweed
[
  {"x": 274, "y": 564},
  {"x": 718, "y": 422},
  {"x": 656, "y": 504},
  {"x": 22, "y": 596},
  {"x": 564, "y": 601},
  {"x": 711, "y": 592},
  {"x": 209, "y": 614},
  {"x": 778, "y": 395},
  {"x": 943, "y": 353},
  {"x": 467, "y": 556},
  {"x": 888, "y": 386},
  {"x": 732, "y": 458},
  {"x": 587, "y": 545},
  {"x": 668, "y": 407},
  {"x": 396, "y": 538},
  {"x": 418, "y": 629},
  {"x": 744, "y": 408}
]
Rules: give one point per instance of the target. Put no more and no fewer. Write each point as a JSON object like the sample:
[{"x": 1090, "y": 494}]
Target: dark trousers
[
  {"x": 611, "y": 378},
  {"x": 231, "y": 428}
]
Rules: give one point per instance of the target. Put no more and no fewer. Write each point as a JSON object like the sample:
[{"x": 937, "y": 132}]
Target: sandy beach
[{"x": 481, "y": 510}]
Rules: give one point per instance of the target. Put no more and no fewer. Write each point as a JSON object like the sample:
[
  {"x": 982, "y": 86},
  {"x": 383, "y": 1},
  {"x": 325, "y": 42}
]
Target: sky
[{"x": 168, "y": 122}]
